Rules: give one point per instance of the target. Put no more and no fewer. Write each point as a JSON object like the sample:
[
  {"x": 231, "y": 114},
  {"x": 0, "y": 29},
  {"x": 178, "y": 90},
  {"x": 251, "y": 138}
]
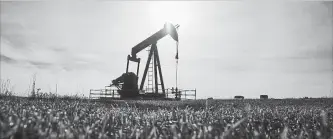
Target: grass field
[{"x": 229, "y": 119}]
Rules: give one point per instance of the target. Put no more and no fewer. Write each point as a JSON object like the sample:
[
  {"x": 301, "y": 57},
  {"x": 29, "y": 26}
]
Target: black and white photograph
[{"x": 135, "y": 69}]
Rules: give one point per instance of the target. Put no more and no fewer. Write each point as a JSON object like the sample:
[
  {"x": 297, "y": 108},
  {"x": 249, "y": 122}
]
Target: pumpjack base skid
[
  {"x": 134, "y": 94},
  {"x": 113, "y": 94}
]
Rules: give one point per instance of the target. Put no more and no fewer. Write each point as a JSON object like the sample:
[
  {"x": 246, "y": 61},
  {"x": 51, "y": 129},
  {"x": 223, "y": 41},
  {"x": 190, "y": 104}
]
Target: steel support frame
[{"x": 157, "y": 69}]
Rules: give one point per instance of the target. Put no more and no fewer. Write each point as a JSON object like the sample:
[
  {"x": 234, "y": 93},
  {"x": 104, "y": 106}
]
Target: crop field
[{"x": 229, "y": 119}]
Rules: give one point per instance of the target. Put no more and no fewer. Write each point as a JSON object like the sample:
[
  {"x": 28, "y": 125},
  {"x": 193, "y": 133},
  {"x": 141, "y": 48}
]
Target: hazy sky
[{"x": 283, "y": 49}]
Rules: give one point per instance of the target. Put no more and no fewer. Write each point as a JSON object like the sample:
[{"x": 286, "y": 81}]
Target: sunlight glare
[{"x": 169, "y": 11}]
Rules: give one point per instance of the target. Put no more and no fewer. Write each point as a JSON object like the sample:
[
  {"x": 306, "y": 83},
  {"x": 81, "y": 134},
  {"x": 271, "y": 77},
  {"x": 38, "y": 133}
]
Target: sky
[{"x": 226, "y": 48}]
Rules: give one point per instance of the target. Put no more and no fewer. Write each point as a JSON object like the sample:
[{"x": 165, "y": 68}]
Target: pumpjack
[{"x": 127, "y": 83}]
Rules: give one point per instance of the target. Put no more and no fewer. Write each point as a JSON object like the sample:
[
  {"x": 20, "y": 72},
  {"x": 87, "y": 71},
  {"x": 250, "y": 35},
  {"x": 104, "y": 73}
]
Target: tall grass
[{"x": 204, "y": 119}]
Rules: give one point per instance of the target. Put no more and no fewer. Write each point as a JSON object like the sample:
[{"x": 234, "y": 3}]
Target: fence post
[
  {"x": 167, "y": 93},
  {"x": 112, "y": 93},
  {"x": 195, "y": 94},
  {"x": 89, "y": 93}
]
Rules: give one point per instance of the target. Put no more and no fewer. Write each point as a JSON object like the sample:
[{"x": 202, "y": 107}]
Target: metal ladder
[{"x": 150, "y": 86}]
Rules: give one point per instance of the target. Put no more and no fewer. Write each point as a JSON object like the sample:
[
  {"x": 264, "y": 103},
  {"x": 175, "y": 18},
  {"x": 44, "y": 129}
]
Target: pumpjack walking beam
[{"x": 168, "y": 29}]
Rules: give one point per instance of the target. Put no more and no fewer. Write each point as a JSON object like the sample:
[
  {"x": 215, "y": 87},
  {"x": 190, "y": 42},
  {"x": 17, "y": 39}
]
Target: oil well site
[
  {"x": 126, "y": 86},
  {"x": 166, "y": 70}
]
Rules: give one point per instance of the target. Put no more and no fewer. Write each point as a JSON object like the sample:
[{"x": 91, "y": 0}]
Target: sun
[{"x": 169, "y": 11}]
